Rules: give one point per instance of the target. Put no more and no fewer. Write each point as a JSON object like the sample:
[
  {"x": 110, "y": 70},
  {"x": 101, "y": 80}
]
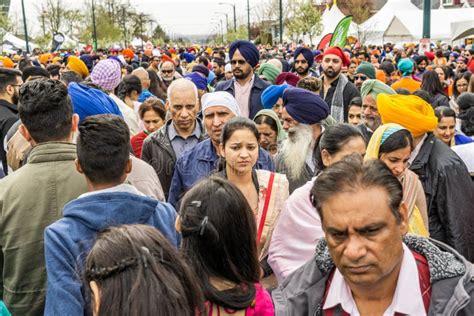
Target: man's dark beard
[
  {"x": 241, "y": 75},
  {"x": 302, "y": 73},
  {"x": 331, "y": 73}
]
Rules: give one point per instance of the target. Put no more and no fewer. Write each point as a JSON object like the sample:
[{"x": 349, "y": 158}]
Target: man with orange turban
[
  {"x": 78, "y": 66},
  {"x": 445, "y": 178}
]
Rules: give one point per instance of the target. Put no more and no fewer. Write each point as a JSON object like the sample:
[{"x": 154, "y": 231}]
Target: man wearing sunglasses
[
  {"x": 363, "y": 72},
  {"x": 246, "y": 86},
  {"x": 168, "y": 72}
]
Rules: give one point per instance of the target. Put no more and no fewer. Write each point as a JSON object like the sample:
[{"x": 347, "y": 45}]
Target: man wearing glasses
[
  {"x": 10, "y": 82},
  {"x": 246, "y": 86},
  {"x": 363, "y": 72},
  {"x": 168, "y": 72}
]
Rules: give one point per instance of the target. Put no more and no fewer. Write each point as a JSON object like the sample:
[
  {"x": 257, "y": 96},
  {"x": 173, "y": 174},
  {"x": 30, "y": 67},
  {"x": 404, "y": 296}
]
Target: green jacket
[{"x": 32, "y": 198}]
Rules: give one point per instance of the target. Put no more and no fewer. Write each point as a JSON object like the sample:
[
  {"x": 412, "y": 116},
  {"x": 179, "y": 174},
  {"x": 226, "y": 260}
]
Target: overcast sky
[{"x": 177, "y": 16}]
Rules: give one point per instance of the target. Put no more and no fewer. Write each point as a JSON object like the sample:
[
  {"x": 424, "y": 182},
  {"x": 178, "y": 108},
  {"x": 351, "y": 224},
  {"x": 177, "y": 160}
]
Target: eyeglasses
[
  {"x": 167, "y": 71},
  {"x": 240, "y": 62},
  {"x": 360, "y": 77}
]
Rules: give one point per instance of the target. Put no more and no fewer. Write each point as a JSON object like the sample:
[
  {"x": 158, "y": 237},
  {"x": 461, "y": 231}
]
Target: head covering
[
  {"x": 88, "y": 101},
  {"x": 45, "y": 57},
  {"x": 197, "y": 79},
  {"x": 128, "y": 53},
  {"x": 380, "y": 75},
  {"x": 165, "y": 57},
  {"x": 305, "y": 106},
  {"x": 367, "y": 69},
  {"x": 107, "y": 74},
  {"x": 227, "y": 68},
  {"x": 454, "y": 54},
  {"x": 87, "y": 59},
  {"x": 374, "y": 87},
  {"x": 405, "y": 65},
  {"x": 307, "y": 54},
  {"x": 247, "y": 49},
  {"x": 381, "y": 134},
  {"x": 430, "y": 55},
  {"x": 281, "y": 135},
  {"x": 7, "y": 62},
  {"x": 287, "y": 77},
  {"x": 338, "y": 52},
  {"x": 269, "y": 71},
  {"x": 78, "y": 66},
  {"x": 271, "y": 95},
  {"x": 188, "y": 57},
  {"x": 220, "y": 98},
  {"x": 409, "y": 111},
  {"x": 201, "y": 69},
  {"x": 211, "y": 77}
]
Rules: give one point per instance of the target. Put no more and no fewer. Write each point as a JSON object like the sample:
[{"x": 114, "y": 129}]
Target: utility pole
[
  {"x": 94, "y": 30},
  {"x": 235, "y": 16},
  {"x": 141, "y": 27},
  {"x": 24, "y": 25},
  {"x": 426, "y": 18},
  {"x": 42, "y": 21},
  {"x": 124, "y": 25},
  {"x": 281, "y": 21},
  {"x": 248, "y": 18}
]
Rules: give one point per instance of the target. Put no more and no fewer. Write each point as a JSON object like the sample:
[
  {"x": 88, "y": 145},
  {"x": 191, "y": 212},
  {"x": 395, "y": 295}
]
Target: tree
[{"x": 311, "y": 19}]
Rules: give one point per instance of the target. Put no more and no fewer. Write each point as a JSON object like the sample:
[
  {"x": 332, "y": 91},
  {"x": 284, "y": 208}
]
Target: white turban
[
  {"x": 220, "y": 98},
  {"x": 227, "y": 68}
]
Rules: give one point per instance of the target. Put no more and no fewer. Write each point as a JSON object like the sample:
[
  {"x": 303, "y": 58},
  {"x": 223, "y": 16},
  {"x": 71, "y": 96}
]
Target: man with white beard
[{"x": 302, "y": 113}]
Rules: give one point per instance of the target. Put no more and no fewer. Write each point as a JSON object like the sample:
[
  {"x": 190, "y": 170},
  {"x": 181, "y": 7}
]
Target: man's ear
[
  {"x": 26, "y": 134},
  {"x": 403, "y": 210},
  {"x": 74, "y": 123},
  {"x": 221, "y": 151},
  {"x": 78, "y": 166},
  {"x": 177, "y": 224},
  {"x": 325, "y": 157},
  {"x": 167, "y": 105},
  {"x": 128, "y": 166}
]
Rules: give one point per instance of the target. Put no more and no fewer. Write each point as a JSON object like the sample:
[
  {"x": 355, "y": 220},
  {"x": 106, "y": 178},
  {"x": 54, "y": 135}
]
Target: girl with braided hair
[{"x": 133, "y": 270}]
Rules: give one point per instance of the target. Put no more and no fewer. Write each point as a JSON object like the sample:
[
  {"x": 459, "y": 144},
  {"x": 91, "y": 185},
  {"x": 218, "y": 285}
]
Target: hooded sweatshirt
[{"x": 68, "y": 240}]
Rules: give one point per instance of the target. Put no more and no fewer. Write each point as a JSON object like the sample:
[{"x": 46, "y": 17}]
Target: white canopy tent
[{"x": 11, "y": 42}]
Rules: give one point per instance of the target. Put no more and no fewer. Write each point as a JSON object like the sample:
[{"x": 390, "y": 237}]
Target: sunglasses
[
  {"x": 359, "y": 77},
  {"x": 167, "y": 71},
  {"x": 240, "y": 62}
]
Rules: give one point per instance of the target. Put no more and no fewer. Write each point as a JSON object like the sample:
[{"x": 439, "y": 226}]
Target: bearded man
[
  {"x": 304, "y": 60},
  {"x": 302, "y": 113},
  {"x": 168, "y": 72},
  {"x": 337, "y": 90}
]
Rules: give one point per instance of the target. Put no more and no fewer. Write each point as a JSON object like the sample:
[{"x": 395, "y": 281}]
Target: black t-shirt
[{"x": 350, "y": 91}]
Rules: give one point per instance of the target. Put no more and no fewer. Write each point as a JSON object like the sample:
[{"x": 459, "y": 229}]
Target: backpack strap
[{"x": 265, "y": 207}]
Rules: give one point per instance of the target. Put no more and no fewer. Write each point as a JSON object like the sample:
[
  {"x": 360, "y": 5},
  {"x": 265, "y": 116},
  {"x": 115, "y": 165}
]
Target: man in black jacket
[
  {"x": 444, "y": 176},
  {"x": 10, "y": 82}
]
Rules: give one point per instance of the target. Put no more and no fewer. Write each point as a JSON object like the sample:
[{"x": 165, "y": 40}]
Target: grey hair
[{"x": 181, "y": 84}]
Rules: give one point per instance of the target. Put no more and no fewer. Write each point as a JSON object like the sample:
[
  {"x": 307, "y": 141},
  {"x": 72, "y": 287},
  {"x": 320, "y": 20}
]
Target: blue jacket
[
  {"x": 255, "y": 103},
  {"x": 200, "y": 162},
  {"x": 68, "y": 241},
  {"x": 460, "y": 139}
]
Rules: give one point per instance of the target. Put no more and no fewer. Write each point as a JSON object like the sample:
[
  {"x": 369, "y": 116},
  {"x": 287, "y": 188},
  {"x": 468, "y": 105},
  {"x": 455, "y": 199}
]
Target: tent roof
[
  {"x": 381, "y": 20},
  {"x": 16, "y": 42}
]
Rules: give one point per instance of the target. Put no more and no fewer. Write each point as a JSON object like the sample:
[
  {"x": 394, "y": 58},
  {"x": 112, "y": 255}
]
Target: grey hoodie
[{"x": 452, "y": 279}]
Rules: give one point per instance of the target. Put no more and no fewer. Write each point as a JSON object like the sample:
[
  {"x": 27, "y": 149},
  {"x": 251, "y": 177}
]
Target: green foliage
[{"x": 305, "y": 19}]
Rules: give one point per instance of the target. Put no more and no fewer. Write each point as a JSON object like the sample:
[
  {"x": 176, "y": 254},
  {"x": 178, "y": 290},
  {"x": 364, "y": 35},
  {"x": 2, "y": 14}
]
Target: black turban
[
  {"x": 304, "y": 106},
  {"x": 307, "y": 54}
]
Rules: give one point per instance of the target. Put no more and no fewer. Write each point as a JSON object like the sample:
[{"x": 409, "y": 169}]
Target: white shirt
[
  {"x": 407, "y": 298},
  {"x": 417, "y": 149}
]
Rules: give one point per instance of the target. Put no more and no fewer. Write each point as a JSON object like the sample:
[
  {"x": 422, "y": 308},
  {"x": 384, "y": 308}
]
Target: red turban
[
  {"x": 338, "y": 52},
  {"x": 128, "y": 53},
  {"x": 165, "y": 57},
  {"x": 287, "y": 77}
]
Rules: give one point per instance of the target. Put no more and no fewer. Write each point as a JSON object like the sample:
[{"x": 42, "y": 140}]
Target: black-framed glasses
[
  {"x": 240, "y": 62},
  {"x": 360, "y": 77},
  {"x": 167, "y": 71}
]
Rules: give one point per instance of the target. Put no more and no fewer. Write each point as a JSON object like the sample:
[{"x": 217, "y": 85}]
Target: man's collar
[
  {"x": 334, "y": 83},
  {"x": 173, "y": 133},
  {"x": 9, "y": 105}
]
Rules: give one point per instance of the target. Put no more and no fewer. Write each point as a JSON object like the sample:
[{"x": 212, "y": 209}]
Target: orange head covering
[
  {"x": 44, "y": 58},
  {"x": 165, "y": 57},
  {"x": 7, "y": 62},
  {"x": 75, "y": 64},
  {"x": 128, "y": 53},
  {"x": 380, "y": 75},
  {"x": 410, "y": 111}
]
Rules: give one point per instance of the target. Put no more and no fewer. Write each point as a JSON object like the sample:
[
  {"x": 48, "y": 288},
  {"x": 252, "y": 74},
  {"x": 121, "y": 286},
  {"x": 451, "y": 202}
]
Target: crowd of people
[{"x": 238, "y": 180}]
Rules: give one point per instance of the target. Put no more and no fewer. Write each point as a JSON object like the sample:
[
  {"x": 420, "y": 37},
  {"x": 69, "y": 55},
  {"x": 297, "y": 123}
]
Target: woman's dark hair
[
  {"x": 265, "y": 119},
  {"x": 388, "y": 67},
  {"x": 357, "y": 101},
  {"x": 467, "y": 125},
  {"x": 138, "y": 272},
  {"x": 424, "y": 95},
  {"x": 439, "y": 53},
  {"x": 398, "y": 140},
  {"x": 219, "y": 241},
  {"x": 444, "y": 69},
  {"x": 128, "y": 84},
  {"x": 465, "y": 101},
  {"x": 444, "y": 111},
  {"x": 431, "y": 83},
  {"x": 235, "y": 124},
  {"x": 333, "y": 139},
  {"x": 152, "y": 104},
  {"x": 466, "y": 76},
  {"x": 157, "y": 87},
  {"x": 203, "y": 60}
]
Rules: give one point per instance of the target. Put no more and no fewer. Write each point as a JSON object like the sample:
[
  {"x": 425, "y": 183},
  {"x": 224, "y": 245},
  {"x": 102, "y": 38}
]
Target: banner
[
  {"x": 323, "y": 44},
  {"x": 339, "y": 36},
  {"x": 58, "y": 39}
]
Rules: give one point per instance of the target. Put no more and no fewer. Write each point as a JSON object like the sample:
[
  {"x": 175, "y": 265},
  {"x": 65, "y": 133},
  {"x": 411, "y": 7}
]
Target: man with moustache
[
  {"x": 246, "y": 86},
  {"x": 199, "y": 162},
  {"x": 304, "y": 60},
  {"x": 168, "y": 72},
  {"x": 370, "y": 115},
  {"x": 302, "y": 113},
  {"x": 183, "y": 131},
  {"x": 337, "y": 90}
]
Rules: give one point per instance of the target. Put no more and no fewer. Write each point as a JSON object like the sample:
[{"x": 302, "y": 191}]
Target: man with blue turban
[
  {"x": 246, "y": 86},
  {"x": 304, "y": 60},
  {"x": 302, "y": 114}
]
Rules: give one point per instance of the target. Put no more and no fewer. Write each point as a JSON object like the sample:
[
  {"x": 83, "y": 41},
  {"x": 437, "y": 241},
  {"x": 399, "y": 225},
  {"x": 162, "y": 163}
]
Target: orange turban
[
  {"x": 128, "y": 53},
  {"x": 7, "y": 62},
  {"x": 44, "y": 58},
  {"x": 165, "y": 57},
  {"x": 410, "y": 111},
  {"x": 77, "y": 65}
]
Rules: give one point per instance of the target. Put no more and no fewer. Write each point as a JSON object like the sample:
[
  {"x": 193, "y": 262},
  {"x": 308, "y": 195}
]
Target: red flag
[{"x": 324, "y": 41}]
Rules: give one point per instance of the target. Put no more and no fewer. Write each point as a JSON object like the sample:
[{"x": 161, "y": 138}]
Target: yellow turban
[
  {"x": 77, "y": 65},
  {"x": 410, "y": 111},
  {"x": 6, "y": 62},
  {"x": 44, "y": 58}
]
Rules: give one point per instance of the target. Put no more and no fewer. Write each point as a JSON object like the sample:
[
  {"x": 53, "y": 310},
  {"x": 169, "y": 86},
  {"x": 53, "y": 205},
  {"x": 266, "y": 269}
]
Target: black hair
[
  {"x": 235, "y": 124},
  {"x": 419, "y": 59},
  {"x": 152, "y": 104},
  {"x": 129, "y": 69},
  {"x": 133, "y": 266},
  {"x": 351, "y": 174},
  {"x": 24, "y": 62},
  {"x": 357, "y": 101},
  {"x": 70, "y": 76},
  {"x": 444, "y": 111},
  {"x": 388, "y": 67},
  {"x": 467, "y": 125},
  {"x": 403, "y": 91},
  {"x": 103, "y": 148},
  {"x": 398, "y": 140},
  {"x": 465, "y": 101},
  {"x": 53, "y": 70},
  {"x": 8, "y": 77},
  {"x": 45, "y": 109},
  {"x": 424, "y": 95},
  {"x": 445, "y": 71},
  {"x": 220, "y": 52},
  {"x": 212, "y": 214},
  {"x": 266, "y": 119},
  {"x": 466, "y": 76},
  {"x": 219, "y": 61},
  {"x": 431, "y": 83},
  {"x": 157, "y": 87},
  {"x": 203, "y": 60},
  {"x": 129, "y": 84},
  {"x": 34, "y": 72},
  {"x": 333, "y": 139}
]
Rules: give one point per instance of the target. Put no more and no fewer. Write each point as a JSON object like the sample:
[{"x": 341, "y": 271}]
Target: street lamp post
[
  {"x": 281, "y": 21},
  {"x": 94, "y": 29},
  {"x": 226, "y": 20},
  {"x": 24, "y": 25},
  {"x": 248, "y": 17},
  {"x": 235, "y": 17}
]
